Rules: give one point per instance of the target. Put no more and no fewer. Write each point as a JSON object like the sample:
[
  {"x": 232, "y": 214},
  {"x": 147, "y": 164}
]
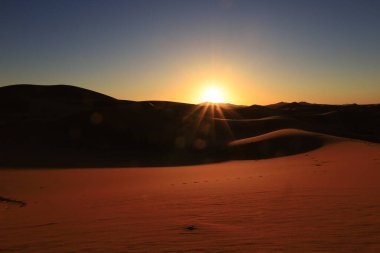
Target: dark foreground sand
[{"x": 326, "y": 200}]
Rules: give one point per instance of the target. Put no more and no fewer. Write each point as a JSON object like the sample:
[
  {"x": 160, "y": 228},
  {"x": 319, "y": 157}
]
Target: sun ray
[
  {"x": 225, "y": 122},
  {"x": 207, "y": 122}
]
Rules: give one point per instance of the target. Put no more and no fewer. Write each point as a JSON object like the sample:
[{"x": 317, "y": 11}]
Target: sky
[{"x": 255, "y": 51}]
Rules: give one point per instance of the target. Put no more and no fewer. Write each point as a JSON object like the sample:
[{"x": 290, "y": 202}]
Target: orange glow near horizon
[
  {"x": 213, "y": 94},
  {"x": 212, "y": 91}
]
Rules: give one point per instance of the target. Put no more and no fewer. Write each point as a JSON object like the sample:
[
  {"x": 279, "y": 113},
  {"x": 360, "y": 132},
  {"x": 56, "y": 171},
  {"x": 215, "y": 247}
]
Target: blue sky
[{"x": 259, "y": 51}]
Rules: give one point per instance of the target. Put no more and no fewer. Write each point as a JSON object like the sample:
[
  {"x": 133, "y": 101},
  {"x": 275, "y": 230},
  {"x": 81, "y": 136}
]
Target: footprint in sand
[
  {"x": 190, "y": 228},
  {"x": 12, "y": 201}
]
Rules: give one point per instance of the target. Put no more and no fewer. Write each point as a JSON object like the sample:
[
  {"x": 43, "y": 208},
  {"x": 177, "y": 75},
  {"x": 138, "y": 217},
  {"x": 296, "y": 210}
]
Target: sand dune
[
  {"x": 317, "y": 192},
  {"x": 278, "y": 143},
  {"x": 284, "y": 134},
  {"x": 326, "y": 200},
  {"x": 67, "y": 126},
  {"x": 244, "y": 128}
]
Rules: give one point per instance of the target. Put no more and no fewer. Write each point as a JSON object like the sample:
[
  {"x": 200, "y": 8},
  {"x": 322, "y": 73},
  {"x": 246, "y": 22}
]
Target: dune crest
[
  {"x": 67, "y": 126},
  {"x": 278, "y": 143}
]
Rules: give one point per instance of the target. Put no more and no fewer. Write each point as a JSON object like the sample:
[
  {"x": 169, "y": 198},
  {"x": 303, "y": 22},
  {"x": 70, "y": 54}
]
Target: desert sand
[
  {"x": 83, "y": 172},
  {"x": 324, "y": 200}
]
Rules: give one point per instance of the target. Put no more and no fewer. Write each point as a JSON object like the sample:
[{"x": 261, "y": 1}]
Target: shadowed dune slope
[
  {"x": 278, "y": 143},
  {"x": 245, "y": 128},
  {"x": 68, "y": 126},
  {"x": 30, "y": 92}
]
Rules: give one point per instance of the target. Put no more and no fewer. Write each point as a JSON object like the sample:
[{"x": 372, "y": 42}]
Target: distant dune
[{"x": 68, "y": 126}]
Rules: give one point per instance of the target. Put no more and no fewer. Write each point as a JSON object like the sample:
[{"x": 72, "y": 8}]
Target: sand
[{"x": 326, "y": 200}]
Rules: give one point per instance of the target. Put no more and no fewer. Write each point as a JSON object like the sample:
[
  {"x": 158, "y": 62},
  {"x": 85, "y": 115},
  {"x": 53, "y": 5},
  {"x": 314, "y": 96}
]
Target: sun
[{"x": 213, "y": 94}]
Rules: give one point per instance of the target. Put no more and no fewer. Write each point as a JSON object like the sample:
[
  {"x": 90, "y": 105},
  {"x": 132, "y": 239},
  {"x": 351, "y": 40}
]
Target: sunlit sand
[{"x": 323, "y": 200}]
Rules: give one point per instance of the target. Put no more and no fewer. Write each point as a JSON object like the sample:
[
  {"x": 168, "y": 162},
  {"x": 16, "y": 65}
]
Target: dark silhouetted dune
[{"x": 66, "y": 126}]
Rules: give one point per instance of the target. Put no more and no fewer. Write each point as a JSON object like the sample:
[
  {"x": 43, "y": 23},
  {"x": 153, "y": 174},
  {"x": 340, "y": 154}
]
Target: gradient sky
[{"x": 259, "y": 52}]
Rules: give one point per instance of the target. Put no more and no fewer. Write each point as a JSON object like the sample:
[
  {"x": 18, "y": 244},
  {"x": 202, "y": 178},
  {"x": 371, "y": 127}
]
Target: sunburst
[{"x": 213, "y": 94}]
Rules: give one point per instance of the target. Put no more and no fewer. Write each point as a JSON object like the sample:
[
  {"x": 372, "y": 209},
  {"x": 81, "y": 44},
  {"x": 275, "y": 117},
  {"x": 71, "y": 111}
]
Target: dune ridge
[
  {"x": 68, "y": 126},
  {"x": 278, "y": 143}
]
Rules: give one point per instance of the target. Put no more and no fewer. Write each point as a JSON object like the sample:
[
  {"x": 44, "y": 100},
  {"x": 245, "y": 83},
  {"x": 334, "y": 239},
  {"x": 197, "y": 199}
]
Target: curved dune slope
[
  {"x": 244, "y": 128},
  {"x": 29, "y": 92},
  {"x": 278, "y": 143}
]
